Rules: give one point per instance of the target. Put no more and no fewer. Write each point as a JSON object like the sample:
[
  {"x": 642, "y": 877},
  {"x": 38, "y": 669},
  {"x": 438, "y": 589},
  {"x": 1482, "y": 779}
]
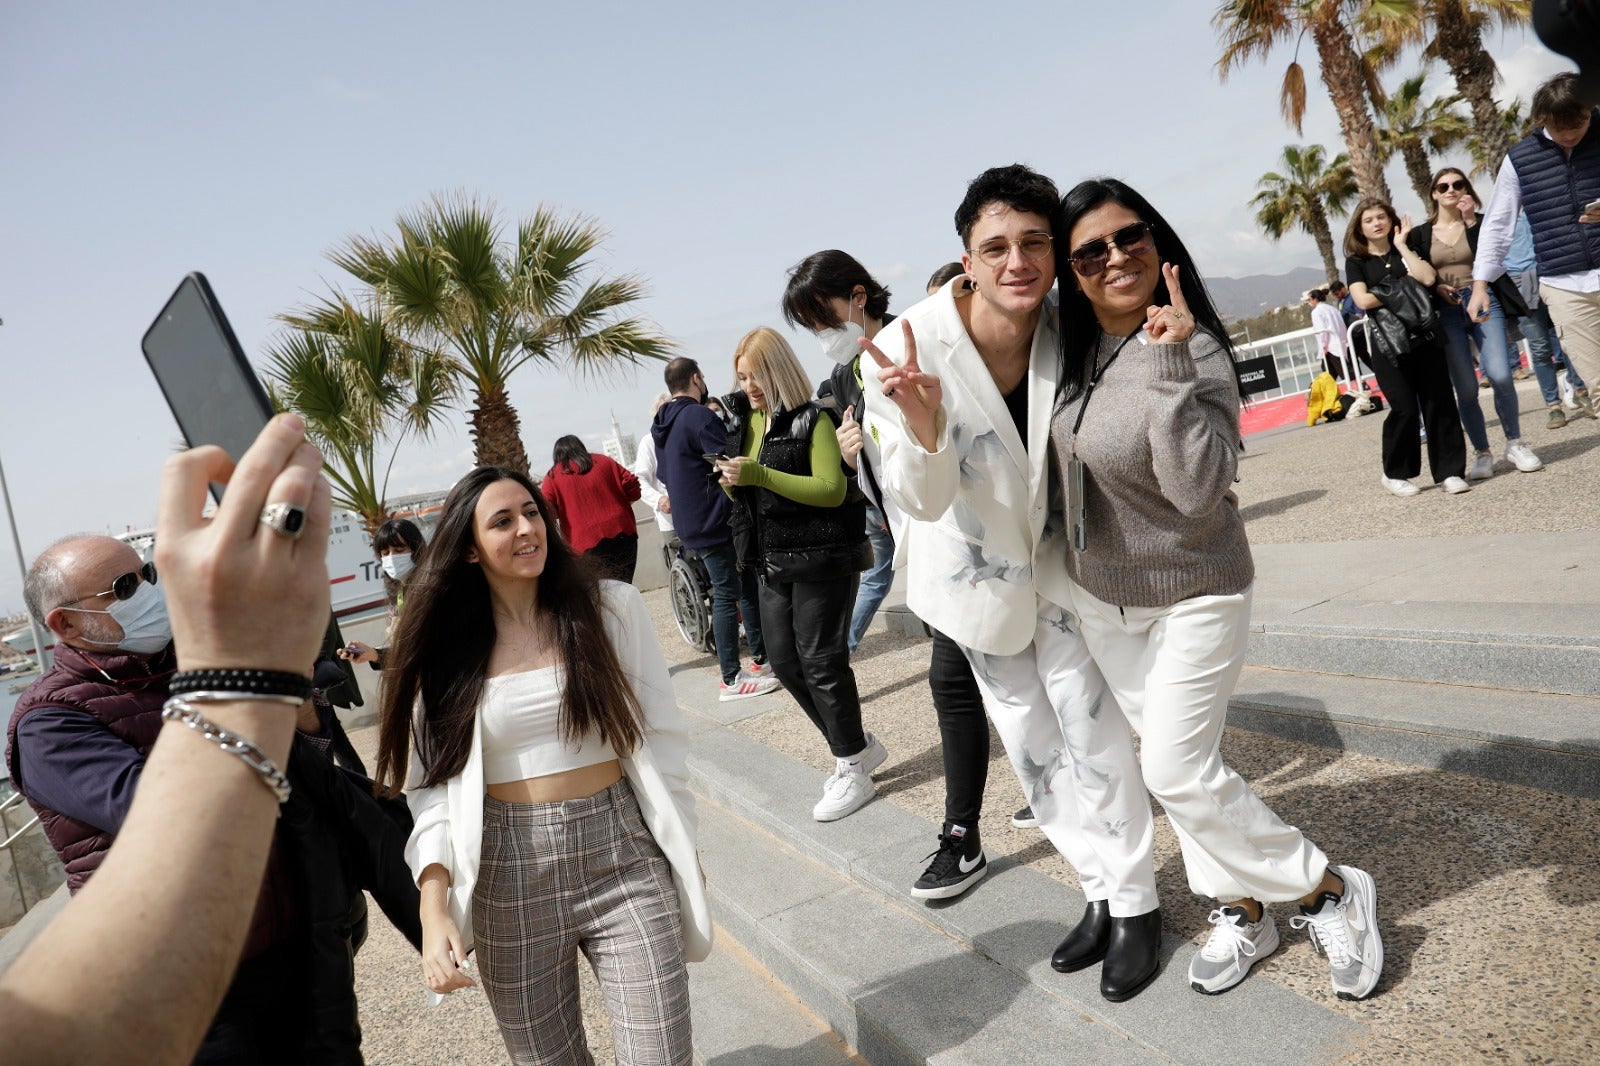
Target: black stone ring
[{"x": 284, "y": 519}]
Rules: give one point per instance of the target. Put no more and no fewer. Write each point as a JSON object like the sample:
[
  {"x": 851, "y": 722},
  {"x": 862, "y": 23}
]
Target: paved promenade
[{"x": 1490, "y": 891}]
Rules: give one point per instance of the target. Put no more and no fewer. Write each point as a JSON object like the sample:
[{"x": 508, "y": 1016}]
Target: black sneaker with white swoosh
[{"x": 958, "y": 864}]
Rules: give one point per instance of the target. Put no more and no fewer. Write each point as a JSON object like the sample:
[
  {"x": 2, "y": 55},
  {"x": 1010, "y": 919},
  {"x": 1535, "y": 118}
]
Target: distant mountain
[{"x": 1247, "y": 297}]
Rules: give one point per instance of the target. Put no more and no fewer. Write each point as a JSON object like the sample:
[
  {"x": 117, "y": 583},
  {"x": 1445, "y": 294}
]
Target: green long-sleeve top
[{"x": 825, "y": 489}]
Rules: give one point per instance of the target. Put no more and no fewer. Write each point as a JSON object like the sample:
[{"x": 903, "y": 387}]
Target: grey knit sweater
[{"x": 1159, "y": 445}]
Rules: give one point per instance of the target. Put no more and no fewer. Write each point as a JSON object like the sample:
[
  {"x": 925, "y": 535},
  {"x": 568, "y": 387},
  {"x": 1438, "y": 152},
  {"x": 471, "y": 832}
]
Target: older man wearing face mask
[{"x": 76, "y": 747}]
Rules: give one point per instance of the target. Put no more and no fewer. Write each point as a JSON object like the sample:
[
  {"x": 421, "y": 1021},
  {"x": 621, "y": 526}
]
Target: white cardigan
[
  {"x": 982, "y": 546},
  {"x": 449, "y": 816}
]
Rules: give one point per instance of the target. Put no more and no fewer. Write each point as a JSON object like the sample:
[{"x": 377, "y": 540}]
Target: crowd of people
[
  {"x": 1046, "y": 446},
  {"x": 1440, "y": 297}
]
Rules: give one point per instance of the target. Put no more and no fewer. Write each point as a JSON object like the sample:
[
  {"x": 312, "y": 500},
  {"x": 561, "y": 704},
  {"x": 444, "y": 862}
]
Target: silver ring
[{"x": 284, "y": 519}]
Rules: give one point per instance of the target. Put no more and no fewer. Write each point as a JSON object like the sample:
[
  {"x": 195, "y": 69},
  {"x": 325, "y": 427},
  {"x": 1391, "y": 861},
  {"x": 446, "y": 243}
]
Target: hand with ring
[
  {"x": 1172, "y": 324},
  {"x": 248, "y": 587}
]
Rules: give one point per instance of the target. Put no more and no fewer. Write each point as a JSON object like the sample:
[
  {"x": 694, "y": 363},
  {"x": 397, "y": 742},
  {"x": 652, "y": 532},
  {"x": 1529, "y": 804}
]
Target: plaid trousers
[{"x": 580, "y": 875}]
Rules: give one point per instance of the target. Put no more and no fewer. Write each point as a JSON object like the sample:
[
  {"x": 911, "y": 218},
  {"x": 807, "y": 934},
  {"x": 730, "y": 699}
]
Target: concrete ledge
[
  {"x": 21, "y": 935},
  {"x": 1535, "y": 662},
  {"x": 825, "y": 908},
  {"x": 1525, "y": 738}
]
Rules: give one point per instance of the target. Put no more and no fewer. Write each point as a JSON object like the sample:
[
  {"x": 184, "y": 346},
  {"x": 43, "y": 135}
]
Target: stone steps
[{"x": 824, "y": 908}]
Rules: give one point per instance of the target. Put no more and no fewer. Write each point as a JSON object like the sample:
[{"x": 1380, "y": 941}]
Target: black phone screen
[{"x": 212, "y": 390}]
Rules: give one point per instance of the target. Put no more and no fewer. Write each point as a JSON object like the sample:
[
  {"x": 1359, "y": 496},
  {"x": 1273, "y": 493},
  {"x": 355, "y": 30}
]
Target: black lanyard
[{"x": 1088, "y": 393}]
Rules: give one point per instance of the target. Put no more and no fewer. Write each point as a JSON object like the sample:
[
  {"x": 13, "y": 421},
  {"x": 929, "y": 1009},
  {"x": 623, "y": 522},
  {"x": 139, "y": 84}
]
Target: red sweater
[{"x": 595, "y": 506}]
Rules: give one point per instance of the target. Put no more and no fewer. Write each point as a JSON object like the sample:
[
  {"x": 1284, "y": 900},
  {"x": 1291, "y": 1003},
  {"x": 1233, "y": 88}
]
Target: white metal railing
[{"x": 11, "y": 801}]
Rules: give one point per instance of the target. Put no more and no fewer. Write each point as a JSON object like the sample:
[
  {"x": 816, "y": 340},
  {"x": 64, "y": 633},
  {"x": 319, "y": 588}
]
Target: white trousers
[
  {"x": 1172, "y": 669},
  {"x": 1073, "y": 754}
]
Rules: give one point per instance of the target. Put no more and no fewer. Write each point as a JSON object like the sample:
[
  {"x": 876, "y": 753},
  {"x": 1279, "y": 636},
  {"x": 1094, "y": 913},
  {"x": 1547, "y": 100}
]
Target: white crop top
[{"x": 521, "y": 739}]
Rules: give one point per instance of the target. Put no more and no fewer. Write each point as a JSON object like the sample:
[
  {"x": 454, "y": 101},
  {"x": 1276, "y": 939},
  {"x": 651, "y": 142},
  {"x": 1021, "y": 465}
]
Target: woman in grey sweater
[{"x": 1146, "y": 432}]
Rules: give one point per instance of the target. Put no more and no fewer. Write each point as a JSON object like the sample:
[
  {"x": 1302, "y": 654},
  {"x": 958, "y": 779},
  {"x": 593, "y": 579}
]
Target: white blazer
[
  {"x": 982, "y": 546},
  {"x": 449, "y": 816}
]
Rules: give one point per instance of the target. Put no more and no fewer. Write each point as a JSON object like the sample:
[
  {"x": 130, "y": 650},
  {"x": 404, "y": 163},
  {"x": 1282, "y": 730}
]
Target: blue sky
[{"x": 718, "y": 143}]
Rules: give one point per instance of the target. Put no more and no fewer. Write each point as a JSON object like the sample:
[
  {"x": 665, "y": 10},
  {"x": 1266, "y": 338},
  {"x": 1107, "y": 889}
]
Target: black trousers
[
  {"x": 261, "y": 1019},
  {"x": 806, "y": 627},
  {"x": 1422, "y": 380},
  {"x": 963, "y": 731},
  {"x": 617, "y": 556}
]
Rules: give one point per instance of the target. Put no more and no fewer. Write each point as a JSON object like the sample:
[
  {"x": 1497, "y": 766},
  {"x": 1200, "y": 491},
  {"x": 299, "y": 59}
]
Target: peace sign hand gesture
[
  {"x": 1173, "y": 323},
  {"x": 918, "y": 395}
]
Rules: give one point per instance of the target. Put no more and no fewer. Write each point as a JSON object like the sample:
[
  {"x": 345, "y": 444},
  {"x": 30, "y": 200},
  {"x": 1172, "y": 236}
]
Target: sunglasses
[
  {"x": 126, "y": 585},
  {"x": 1457, "y": 185},
  {"x": 1091, "y": 257}
]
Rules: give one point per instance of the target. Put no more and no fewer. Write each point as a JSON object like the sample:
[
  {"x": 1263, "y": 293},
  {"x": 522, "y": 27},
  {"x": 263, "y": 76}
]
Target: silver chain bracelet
[{"x": 180, "y": 709}]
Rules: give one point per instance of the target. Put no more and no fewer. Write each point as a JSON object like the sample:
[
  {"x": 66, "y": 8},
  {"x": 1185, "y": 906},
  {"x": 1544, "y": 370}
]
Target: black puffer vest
[
  {"x": 795, "y": 541},
  {"x": 1555, "y": 187}
]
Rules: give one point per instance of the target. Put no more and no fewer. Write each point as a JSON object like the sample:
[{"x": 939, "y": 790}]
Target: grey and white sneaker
[
  {"x": 846, "y": 791},
  {"x": 1235, "y": 944},
  {"x": 1521, "y": 456},
  {"x": 1025, "y": 818},
  {"x": 1482, "y": 467},
  {"x": 1345, "y": 931}
]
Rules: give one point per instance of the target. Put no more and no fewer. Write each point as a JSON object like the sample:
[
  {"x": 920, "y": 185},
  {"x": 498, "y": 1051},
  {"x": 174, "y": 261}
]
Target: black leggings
[
  {"x": 806, "y": 626},
  {"x": 963, "y": 731}
]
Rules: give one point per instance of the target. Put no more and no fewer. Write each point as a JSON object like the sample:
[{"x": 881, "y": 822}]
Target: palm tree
[
  {"x": 1418, "y": 131},
  {"x": 456, "y": 287},
  {"x": 1251, "y": 29},
  {"x": 360, "y": 389},
  {"x": 1510, "y": 129},
  {"x": 1458, "y": 40},
  {"x": 1304, "y": 195}
]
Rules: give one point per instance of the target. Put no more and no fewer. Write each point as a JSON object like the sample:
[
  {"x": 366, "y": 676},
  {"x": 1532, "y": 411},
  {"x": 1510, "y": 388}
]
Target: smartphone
[
  {"x": 711, "y": 457},
  {"x": 208, "y": 383},
  {"x": 213, "y": 392}
]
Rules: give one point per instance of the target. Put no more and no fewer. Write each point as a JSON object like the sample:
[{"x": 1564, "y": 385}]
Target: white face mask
[
  {"x": 839, "y": 343},
  {"x": 398, "y": 565},
  {"x": 146, "y": 629}
]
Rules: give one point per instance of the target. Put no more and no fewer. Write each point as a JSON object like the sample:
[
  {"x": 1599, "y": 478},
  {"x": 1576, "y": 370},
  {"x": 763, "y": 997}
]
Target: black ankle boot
[
  {"x": 1086, "y": 944},
  {"x": 1133, "y": 957}
]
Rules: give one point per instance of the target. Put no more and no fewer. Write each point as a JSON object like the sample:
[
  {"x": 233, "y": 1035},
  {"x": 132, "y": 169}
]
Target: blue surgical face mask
[
  {"x": 398, "y": 565},
  {"x": 146, "y": 629}
]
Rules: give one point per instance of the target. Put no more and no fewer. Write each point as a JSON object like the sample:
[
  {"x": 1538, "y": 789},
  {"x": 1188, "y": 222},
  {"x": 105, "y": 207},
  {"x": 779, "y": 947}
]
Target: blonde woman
[{"x": 810, "y": 546}]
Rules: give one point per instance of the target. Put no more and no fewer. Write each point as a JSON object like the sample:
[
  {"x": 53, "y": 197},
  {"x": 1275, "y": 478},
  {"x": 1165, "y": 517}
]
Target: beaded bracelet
[
  {"x": 240, "y": 681},
  {"x": 180, "y": 709}
]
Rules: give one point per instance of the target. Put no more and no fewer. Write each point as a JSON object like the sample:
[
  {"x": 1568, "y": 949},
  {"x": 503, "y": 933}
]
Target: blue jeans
[
  {"x": 875, "y": 582},
  {"x": 733, "y": 594},
  {"x": 1494, "y": 354},
  {"x": 1543, "y": 350}
]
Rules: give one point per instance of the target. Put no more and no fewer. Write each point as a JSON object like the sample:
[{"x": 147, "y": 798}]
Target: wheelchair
[{"x": 690, "y": 586}]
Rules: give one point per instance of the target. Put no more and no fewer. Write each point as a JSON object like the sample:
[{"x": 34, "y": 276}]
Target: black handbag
[{"x": 1406, "y": 321}]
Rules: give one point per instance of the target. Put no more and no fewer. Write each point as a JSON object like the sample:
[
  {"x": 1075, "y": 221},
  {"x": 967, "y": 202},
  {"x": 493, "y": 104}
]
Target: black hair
[
  {"x": 950, "y": 270},
  {"x": 1080, "y": 329},
  {"x": 397, "y": 533},
  {"x": 1319, "y": 295},
  {"x": 570, "y": 455},
  {"x": 679, "y": 373},
  {"x": 1018, "y": 187},
  {"x": 822, "y": 276},
  {"x": 442, "y": 642}
]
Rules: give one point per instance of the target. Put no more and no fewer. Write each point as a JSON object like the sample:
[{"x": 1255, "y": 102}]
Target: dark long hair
[
  {"x": 441, "y": 647},
  {"x": 1355, "y": 239},
  {"x": 1433, "y": 204},
  {"x": 397, "y": 533},
  {"x": 570, "y": 454},
  {"x": 1080, "y": 329}
]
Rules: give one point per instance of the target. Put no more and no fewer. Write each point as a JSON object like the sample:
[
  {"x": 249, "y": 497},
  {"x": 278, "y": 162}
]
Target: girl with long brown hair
[{"x": 547, "y": 776}]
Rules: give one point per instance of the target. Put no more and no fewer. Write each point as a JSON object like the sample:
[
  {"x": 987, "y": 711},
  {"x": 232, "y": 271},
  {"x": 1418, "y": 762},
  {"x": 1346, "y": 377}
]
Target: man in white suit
[{"x": 961, "y": 407}]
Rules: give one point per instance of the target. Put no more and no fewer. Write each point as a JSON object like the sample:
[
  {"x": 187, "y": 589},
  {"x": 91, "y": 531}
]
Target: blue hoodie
[{"x": 684, "y": 431}]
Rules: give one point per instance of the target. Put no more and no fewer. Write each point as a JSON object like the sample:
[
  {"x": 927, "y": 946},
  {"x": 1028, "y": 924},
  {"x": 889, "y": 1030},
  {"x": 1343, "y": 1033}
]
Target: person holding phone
[
  {"x": 809, "y": 548},
  {"x": 1447, "y": 242},
  {"x": 1147, "y": 439},
  {"x": 1554, "y": 175},
  {"x": 398, "y": 544},
  {"x": 527, "y": 710}
]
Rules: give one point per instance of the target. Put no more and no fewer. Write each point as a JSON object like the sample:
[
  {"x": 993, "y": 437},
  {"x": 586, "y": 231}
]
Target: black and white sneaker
[
  {"x": 957, "y": 865},
  {"x": 1025, "y": 819}
]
